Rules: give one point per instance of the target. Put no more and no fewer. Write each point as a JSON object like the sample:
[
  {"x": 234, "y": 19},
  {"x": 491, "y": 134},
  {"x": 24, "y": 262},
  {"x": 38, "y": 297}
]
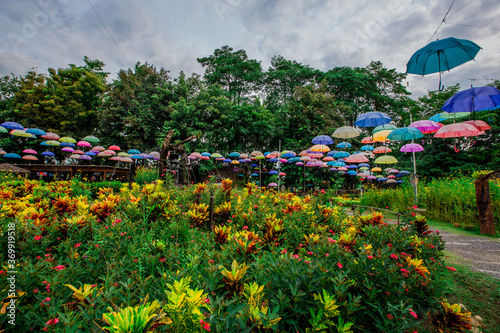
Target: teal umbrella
[
  {"x": 405, "y": 133},
  {"x": 442, "y": 55}
]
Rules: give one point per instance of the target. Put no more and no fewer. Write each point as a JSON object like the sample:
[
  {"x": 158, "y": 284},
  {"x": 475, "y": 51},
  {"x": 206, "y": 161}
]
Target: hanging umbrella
[
  {"x": 457, "y": 130},
  {"x": 35, "y": 131},
  {"x": 123, "y": 154},
  {"x": 368, "y": 139},
  {"x": 411, "y": 148},
  {"x": 367, "y": 148},
  {"x": 50, "y": 136},
  {"x": 11, "y": 155},
  {"x": 99, "y": 148},
  {"x": 29, "y": 158},
  {"x": 341, "y": 154},
  {"x": 426, "y": 126},
  {"x": 376, "y": 169},
  {"x": 126, "y": 160},
  {"x": 50, "y": 143},
  {"x": 67, "y": 144},
  {"x": 75, "y": 156},
  {"x": 234, "y": 154},
  {"x": 91, "y": 153},
  {"x": 356, "y": 158},
  {"x": 48, "y": 153},
  {"x": 3, "y": 130},
  {"x": 352, "y": 173},
  {"x": 319, "y": 148},
  {"x": 137, "y": 152},
  {"x": 67, "y": 139},
  {"x": 381, "y": 136},
  {"x": 78, "y": 151},
  {"x": 84, "y": 144},
  {"x": 405, "y": 133},
  {"x": 114, "y": 147},
  {"x": 383, "y": 127},
  {"x": 479, "y": 124},
  {"x": 343, "y": 145},
  {"x": 110, "y": 152},
  {"x": 85, "y": 157},
  {"x": 441, "y": 55},
  {"x": 386, "y": 159},
  {"x": 216, "y": 155},
  {"x": 372, "y": 119},
  {"x": 103, "y": 154},
  {"x": 20, "y": 133},
  {"x": 29, "y": 151},
  {"x": 68, "y": 149},
  {"x": 382, "y": 150},
  {"x": 91, "y": 138},
  {"x": 12, "y": 125},
  {"x": 115, "y": 158},
  {"x": 473, "y": 100},
  {"x": 346, "y": 132},
  {"x": 446, "y": 116},
  {"x": 322, "y": 140},
  {"x": 328, "y": 159}
]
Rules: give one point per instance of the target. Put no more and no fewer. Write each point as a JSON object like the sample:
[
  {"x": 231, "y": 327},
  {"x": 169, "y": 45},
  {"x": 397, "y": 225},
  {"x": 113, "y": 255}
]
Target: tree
[{"x": 237, "y": 75}]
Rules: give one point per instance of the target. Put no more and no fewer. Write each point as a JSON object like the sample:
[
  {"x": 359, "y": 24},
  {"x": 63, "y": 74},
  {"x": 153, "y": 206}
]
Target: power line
[
  {"x": 473, "y": 26},
  {"x": 442, "y": 21},
  {"x": 109, "y": 33},
  {"x": 29, "y": 62},
  {"x": 459, "y": 9}
]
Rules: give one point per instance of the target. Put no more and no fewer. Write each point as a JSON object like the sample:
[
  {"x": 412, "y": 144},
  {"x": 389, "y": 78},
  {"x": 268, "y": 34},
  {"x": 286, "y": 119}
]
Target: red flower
[
  {"x": 38, "y": 237},
  {"x": 339, "y": 264},
  {"x": 389, "y": 316},
  {"x": 451, "y": 269}
]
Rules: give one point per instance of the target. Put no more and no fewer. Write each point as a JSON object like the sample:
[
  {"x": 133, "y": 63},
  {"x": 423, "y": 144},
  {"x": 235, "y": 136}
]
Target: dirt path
[{"x": 480, "y": 254}]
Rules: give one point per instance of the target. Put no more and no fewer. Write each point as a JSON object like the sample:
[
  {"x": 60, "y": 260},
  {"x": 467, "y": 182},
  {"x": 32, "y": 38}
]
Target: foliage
[{"x": 145, "y": 174}]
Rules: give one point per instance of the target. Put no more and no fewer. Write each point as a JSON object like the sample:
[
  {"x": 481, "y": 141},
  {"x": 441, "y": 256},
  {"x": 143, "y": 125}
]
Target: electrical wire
[
  {"x": 442, "y": 21},
  {"x": 109, "y": 33},
  {"x": 473, "y": 26},
  {"x": 459, "y": 9}
]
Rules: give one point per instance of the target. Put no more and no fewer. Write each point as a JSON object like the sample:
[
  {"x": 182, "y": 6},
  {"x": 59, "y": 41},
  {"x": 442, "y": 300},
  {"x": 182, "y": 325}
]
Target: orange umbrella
[
  {"x": 356, "y": 158},
  {"x": 368, "y": 139},
  {"x": 320, "y": 148},
  {"x": 382, "y": 150},
  {"x": 29, "y": 158}
]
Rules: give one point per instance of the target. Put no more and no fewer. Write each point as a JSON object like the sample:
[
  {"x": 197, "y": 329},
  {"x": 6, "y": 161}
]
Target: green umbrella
[
  {"x": 3, "y": 130},
  {"x": 383, "y": 127},
  {"x": 405, "y": 133},
  {"x": 67, "y": 139},
  {"x": 91, "y": 138}
]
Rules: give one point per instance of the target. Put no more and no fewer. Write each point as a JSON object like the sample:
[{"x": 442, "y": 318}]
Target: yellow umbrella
[
  {"x": 386, "y": 159},
  {"x": 20, "y": 133},
  {"x": 320, "y": 148},
  {"x": 381, "y": 136},
  {"x": 376, "y": 169},
  {"x": 235, "y": 162}
]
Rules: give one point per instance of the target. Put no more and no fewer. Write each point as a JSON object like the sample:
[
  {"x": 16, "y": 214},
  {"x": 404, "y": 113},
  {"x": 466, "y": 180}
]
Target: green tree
[{"x": 237, "y": 75}]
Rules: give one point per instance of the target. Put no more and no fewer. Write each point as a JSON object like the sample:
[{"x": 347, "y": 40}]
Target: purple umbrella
[
  {"x": 85, "y": 157},
  {"x": 48, "y": 153},
  {"x": 426, "y": 126},
  {"x": 371, "y": 177},
  {"x": 68, "y": 149},
  {"x": 411, "y": 148}
]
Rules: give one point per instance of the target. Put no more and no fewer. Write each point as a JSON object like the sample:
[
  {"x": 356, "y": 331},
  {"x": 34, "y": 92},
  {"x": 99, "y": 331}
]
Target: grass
[
  {"x": 479, "y": 292},
  {"x": 450, "y": 228}
]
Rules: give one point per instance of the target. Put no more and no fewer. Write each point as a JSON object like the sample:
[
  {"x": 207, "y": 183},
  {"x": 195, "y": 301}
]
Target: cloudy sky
[{"x": 321, "y": 33}]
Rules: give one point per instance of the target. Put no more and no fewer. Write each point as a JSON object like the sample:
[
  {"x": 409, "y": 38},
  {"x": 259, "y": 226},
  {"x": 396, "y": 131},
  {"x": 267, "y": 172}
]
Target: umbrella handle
[{"x": 441, "y": 87}]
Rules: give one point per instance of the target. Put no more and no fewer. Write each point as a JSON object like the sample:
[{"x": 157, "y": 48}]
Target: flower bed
[{"x": 275, "y": 262}]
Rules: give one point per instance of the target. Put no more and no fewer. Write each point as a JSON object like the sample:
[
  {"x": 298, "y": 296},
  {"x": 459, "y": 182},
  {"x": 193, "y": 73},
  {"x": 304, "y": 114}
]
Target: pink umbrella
[
  {"x": 411, "y": 148},
  {"x": 83, "y": 144},
  {"x": 79, "y": 152},
  {"x": 371, "y": 177},
  {"x": 382, "y": 150},
  {"x": 479, "y": 124},
  {"x": 29, "y": 158},
  {"x": 29, "y": 151},
  {"x": 68, "y": 149},
  {"x": 116, "y": 158},
  {"x": 99, "y": 148},
  {"x": 356, "y": 158},
  {"x": 457, "y": 130},
  {"x": 426, "y": 126},
  {"x": 126, "y": 159},
  {"x": 50, "y": 136},
  {"x": 110, "y": 152}
]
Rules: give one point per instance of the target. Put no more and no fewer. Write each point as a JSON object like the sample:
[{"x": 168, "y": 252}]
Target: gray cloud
[{"x": 320, "y": 33}]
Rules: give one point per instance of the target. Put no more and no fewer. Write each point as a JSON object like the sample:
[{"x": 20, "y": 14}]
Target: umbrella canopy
[
  {"x": 91, "y": 153},
  {"x": 3, "y": 130},
  {"x": 405, "y": 133},
  {"x": 124, "y": 154},
  {"x": 85, "y": 157},
  {"x": 341, "y": 154},
  {"x": 386, "y": 159},
  {"x": 426, "y": 126},
  {"x": 114, "y": 147},
  {"x": 382, "y": 150},
  {"x": 136, "y": 151},
  {"x": 479, "y": 124},
  {"x": 50, "y": 136},
  {"x": 376, "y": 169},
  {"x": 20, "y": 133},
  {"x": 383, "y": 127},
  {"x": 372, "y": 119},
  {"x": 12, "y": 125},
  {"x": 35, "y": 131},
  {"x": 75, "y": 156},
  {"x": 234, "y": 154},
  {"x": 126, "y": 160},
  {"x": 457, "y": 130},
  {"x": 67, "y": 144},
  {"x": 91, "y": 138},
  {"x": 84, "y": 144},
  {"x": 29, "y": 151},
  {"x": 50, "y": 143},
  {"x": 346, "y": 132},
  {"x": 216, "y": 155},
  {"x": 445, "y": 116},
  {"x": 343, "y": 145},
  {"x": 30, "y": 158},
  {"x": 473, "y": 99},
  {"x": 67, "y": 139},
  {"x": 381, "y": 136},
  {"x": 320, "y": 148},
  {"x": 322, "y": 140},
  {"x": 411, "y": 148},
  {"x": 78, "y": 151},
  {"x": 367, "y": 147},
  {"x": 356, "y": 158},
  {"x": 99, "y": 148},
  {"x": 68, "y": 149},
  {"x": 367, "y": 139},
  {"x": 11, "y": 155},
  {"x": 442, "y": 55},
  {"x": 115, "y": 158},
  {"x": 110, "y": 152},
  {"x": 48, "y": 153},
  {"x": 272, "y": 185}
]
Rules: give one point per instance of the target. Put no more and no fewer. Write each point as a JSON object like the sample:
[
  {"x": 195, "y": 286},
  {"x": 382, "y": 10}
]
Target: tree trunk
[
  {"x": 483, "y": 203},
  {"x": 164, "y": 153}
]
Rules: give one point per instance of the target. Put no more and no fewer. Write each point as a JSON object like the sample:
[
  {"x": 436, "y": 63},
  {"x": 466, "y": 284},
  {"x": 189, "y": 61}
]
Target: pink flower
[
  {"x": 307, "y": 261},
  {"x": 78, "y": 244},
  {"x": 245, "y": 227},
  {"x": 210, "y": 261},
  {"x": 451, "y": 269},
  {"x": 339, "y": 264},
  {"x": 389, "y": 316},
  {"x": 389, "y": 245},
  {"x": 393, "y": 256},
  {"x": 52, "y": 322},
  {"x": 38, "y": 237},
  {"x": 96, "y": 245},
  {"x": 296, "y": 256},
  {"x": 413, "y": 313},
  {"x": 59, "y": 267},
  {"x": 309, "y": 253},
  {"x": 370, "y": 257}
]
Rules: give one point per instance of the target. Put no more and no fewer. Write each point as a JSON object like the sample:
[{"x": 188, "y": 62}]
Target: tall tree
[{"x": 237, "y": 75}]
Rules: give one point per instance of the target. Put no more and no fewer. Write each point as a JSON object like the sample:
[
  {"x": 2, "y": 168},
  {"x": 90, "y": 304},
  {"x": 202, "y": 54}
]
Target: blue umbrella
[
  {"x": 322, "y": 140},
  {"x": 35, "y": 131},
  {"x": 364, "y": 165},
  {"x": 442, "y": 55},
  {"x": 341, "y": 154},
  {"x": 136, "y": 157},
  {"x": 473, "y": 99},
  {"x": 90, "y": 153},
  {"x": 367, "y": 147},
  {"x": 266, "y": 153},
  {"x": 288, "y": 155},
  {"x": 372, "y": 119},
  {"x": 331, "y": 153},
  {"x": 48, "y": 153},
  {"x": 12, "y": 125},
  {"x": 273, "y": 172},
  {"x": 133, "y": 151},
  {"x": 234, "y": 154},
  {"x": 67, "y": 144},
  {"x": 335, "y": 164},
  {"x": 353, "y": 166},
  {"x": 405, "y": 133},
  {"x": 227, "y": 160},
  {"x": 381, "y": 179},
  {"x": 437, "y": 118},
  {"x": 343, "y": 145},
  {"x": 11, "y": 155},
  {"x": 352, "y": 173}
]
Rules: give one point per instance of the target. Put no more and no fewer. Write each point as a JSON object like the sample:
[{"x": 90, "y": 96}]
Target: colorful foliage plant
[{"x": 272, "y": 262}]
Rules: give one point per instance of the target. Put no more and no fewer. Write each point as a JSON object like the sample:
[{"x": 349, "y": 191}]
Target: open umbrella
[
  {"x": 50, "y": 143},
  {"x": 473, "y": 100},
  {"x": 29, "y": 158},
  {"x": 426, "y": 126},
  {"x": 48, "y": 153},
  {"x": 367, "y": 139},
  {"x": 319, "y": 148},
  {"x": 91, "y": 138},
  {"x": 372, "y": 119},
  {"x": 356, "y": 158},
  {"x": 442, "y": 55},
  {"x": 84, "y": 144},
  {"x": 411, "y": 148},
  {"x": 346, "y": 132},
  {"x": 67, "y": 139},
  {"x": 136, "y": 152},
  {"x": 479, "y": 124},
  {"x": 405, "y": 133},
  {"x": 457, "y": 130},
  {"x": 382, "y": 150},
  {"x": 20, "y": 133},
  {"x": 343, "y": 145},
  {"x": 114, "y": 147},
  {"x": 12, "y": 125},
  {"x": 67, "y": 144},
  {"x": 367, "y": 148},
  {"x": 50, "y": 136},
  {"x": 29, "y": 151},
  {"x": 322, "y": 140},
  {"x": 68, "y": 149},
  {"x": 11, "y": 155},
  {"x": 383, "y": 127},
  {"x": 381, "y": 136},
  {"x": 35, "y": 131},
  {"x": 386, "y": 159},
  {"x": 3, "y": 130}
]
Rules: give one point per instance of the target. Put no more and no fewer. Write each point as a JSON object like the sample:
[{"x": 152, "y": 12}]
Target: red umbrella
[
  {"x": 368, "y": 139},
  {"x": 457, "y": 130},
  {"x": 78, "y": 151},
  {"x": 481, "y": 125},
  {"x": 114, "y": 147}
]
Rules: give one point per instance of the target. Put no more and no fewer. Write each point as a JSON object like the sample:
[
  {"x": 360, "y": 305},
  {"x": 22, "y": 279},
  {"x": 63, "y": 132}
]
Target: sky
[{"x": 320, "y": 33}]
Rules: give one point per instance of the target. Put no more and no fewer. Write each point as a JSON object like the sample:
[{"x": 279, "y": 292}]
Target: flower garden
[{"x": 140, "y": 258}]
